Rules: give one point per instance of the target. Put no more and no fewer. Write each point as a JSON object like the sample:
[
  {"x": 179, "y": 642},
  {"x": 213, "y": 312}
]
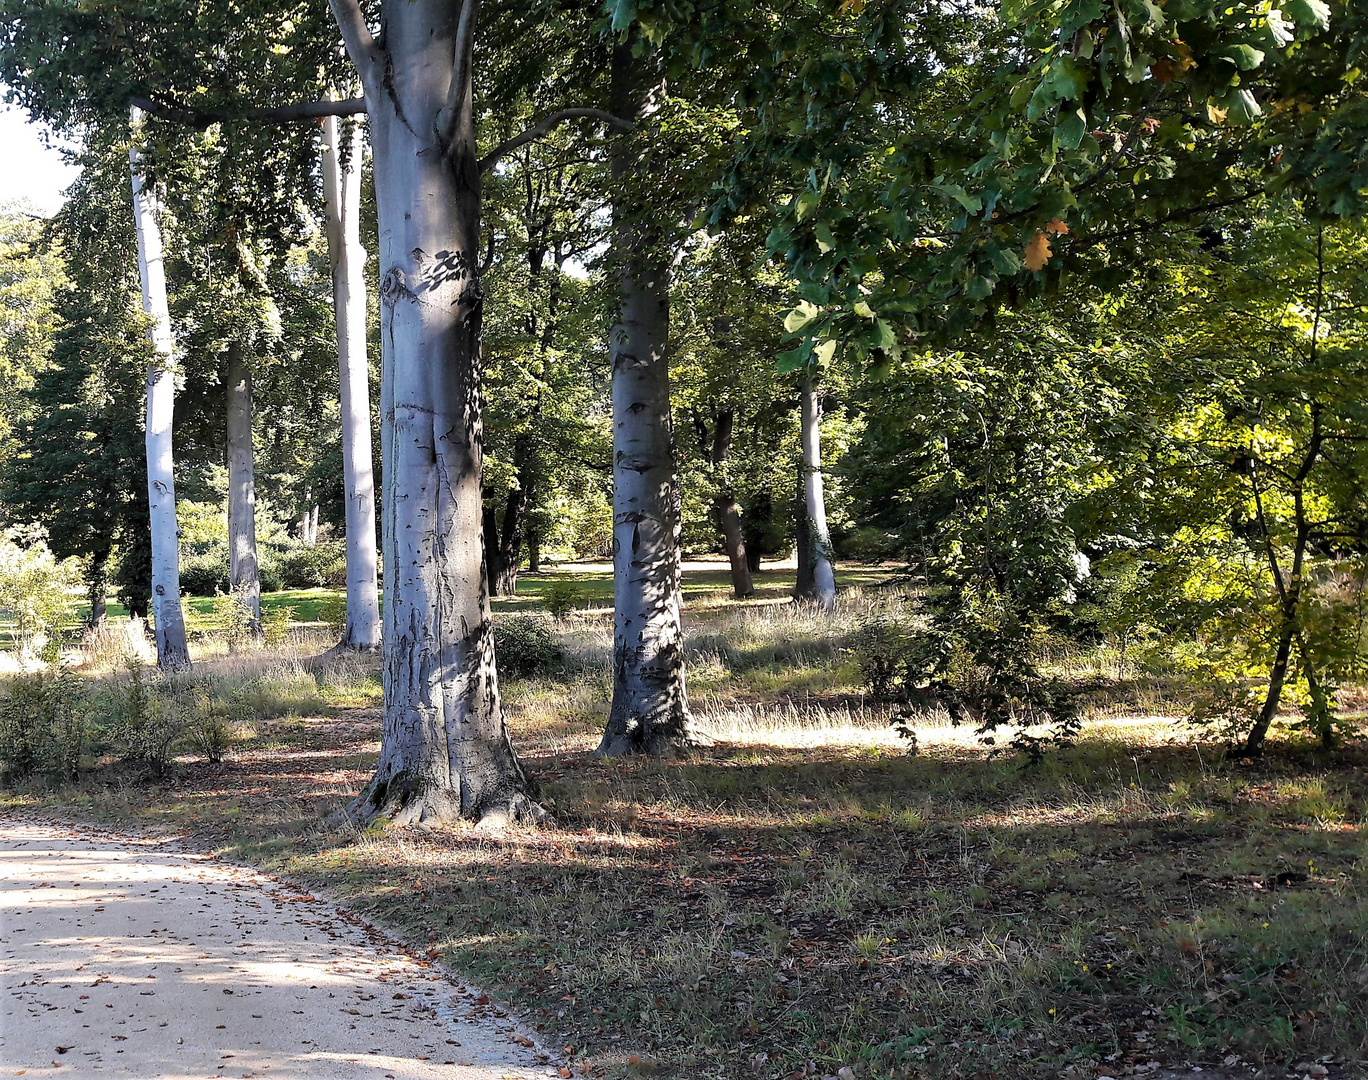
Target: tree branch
[
  {"x": 460, "y": 71},
  {"x": 356, "y": 36},
  {"x": 281, "y": 114},
  {"x": 546, "y": 125}
]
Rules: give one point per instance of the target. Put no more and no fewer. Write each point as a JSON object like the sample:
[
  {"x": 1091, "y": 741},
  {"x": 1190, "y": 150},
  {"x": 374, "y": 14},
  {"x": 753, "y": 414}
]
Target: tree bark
[
  {"x": 342, "y": 199},
  {"x": 97, "y": 586},
  {"x": 444, "y": 750},
  {"x": 819, "y": 539},
  {"x": 805, "y": 585},
  {"x": 489, "y": 525},
  {"x": 173, "y": 651},
  {"x": 244, "y": 580},
  {"x": 510, "y": 543},
  {"x": 728, "y": 513},
  {"x": 650, "y": 710}
]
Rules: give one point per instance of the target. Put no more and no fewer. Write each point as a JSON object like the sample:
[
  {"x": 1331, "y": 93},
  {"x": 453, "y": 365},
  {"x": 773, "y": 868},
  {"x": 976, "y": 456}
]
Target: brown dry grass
[{"x": 805, "y": 891}]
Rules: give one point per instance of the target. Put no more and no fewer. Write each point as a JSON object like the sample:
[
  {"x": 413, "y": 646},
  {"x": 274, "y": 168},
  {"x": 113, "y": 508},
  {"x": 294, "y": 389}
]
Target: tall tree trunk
[
  {"x": 728, "y": 513},
  {"x": 244, "y": 581},
  {"x": 342, "y": 197},
  {"x": 173, "y": 652},
  {"x": 805, "y": 585},
  {"x": 823, "y": 575},
  {"x": 489, "y": 525},
  {"x": 97, "y": 586},
  {"x": 650, "y": 710},
  {"x": 533, "y": 553},
  {"x": 304, "y": 517},
  {"x": 510, "y": 544},
  {"x": 444, "y": 749}
]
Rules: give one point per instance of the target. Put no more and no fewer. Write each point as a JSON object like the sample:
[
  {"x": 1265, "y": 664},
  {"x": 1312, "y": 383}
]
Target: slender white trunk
[
  {"x": 444, "y": 749},
  {"x": 172, "y": 650},
  {"x": 819, "y": 539},
  {"x": 304, "y": 517},
  {"x": 243, "y": 574},
  {"x": 342, "y": 197},
  {"x": 650, "y": 708},
  {"x": 313, "y": 525}
]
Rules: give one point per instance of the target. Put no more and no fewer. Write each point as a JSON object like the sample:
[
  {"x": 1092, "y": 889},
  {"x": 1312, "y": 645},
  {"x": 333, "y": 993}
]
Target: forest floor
[{"x": 806, "y": 897}]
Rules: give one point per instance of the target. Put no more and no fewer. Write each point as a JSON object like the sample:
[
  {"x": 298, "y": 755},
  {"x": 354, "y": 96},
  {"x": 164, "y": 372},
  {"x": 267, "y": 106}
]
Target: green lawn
[{"x": 707, "y": 585}]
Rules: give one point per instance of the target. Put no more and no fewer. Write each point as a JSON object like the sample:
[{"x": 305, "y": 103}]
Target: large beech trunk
[
  {"x": 172, "y": 650},
  {"x": 444, "y": 750},
  {"x": 342, "y": 197},
  {"x": 728, "y": 512},
  {"x": 818, "y": 550},
  {"x": 650, "y": 710},
  {"x": 243, "y": 577}
]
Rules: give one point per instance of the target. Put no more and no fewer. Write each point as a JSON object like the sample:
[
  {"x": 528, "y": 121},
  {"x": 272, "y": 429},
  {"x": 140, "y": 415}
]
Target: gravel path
[{"x": 127, "y": 957}]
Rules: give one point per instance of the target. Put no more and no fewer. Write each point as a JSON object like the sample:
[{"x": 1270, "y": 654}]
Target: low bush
[
  {"x": 146, "y": 721},
  {"x": 205, "y": 573},
  {"x": 880, "y": 645},
  {"x": 525, "y": 645},
  {"x": 304, "y": 566},
  {"x": 561, "y": 597},
  {"x": 43, "y": 720}
]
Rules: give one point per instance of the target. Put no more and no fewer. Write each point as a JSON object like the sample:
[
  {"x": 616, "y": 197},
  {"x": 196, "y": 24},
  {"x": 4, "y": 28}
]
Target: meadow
[{"x": 814, "y": 892}]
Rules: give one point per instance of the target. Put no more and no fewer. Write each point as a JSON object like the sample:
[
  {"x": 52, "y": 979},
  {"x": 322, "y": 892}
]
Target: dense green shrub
[
  {"x": 525, "y": 645},
  {"x": 304, "y": 566},
  {"x": 205, "y": 573},
  {"x": 43, "y": 720},
  {"x": 147, "y": 720}
]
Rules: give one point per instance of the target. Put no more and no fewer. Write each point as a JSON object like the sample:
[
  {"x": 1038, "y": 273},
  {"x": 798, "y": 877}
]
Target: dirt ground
[{"x": 131, "y": 957}]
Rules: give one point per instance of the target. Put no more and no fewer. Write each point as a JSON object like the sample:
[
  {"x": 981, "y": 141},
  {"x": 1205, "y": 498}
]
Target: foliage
[
  {"x": 561, "y": 597},
  {"x": 145, "y": 721},
  {"x": 34, "y": 585},
  {"x": 526, "y": 645},
  {"x": 43, "y": 723}
]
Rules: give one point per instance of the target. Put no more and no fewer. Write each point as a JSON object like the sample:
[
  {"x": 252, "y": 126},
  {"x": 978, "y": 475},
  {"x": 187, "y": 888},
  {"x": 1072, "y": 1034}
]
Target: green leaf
[
  {"x": 972, "y": 203},
  {"x": 806, "y": 203},
  {"x": 1312, "y": 13},
  {"x": 1243, "y": 108},
  {"x": 825, "y": 241},
  {"x": 1244, "y": 57},
  {"x": 882, "y": 338},
  {"x": 822, "y": 353},
  {"x": 801, "y": 316},
  {"x": 794, "y": 359},
  {"x": 1071, "y": 128},
  {"x": 1070, "y": 79},
  {"x": 863, "y": 310},
  {"x": 1283, "y": 31}
]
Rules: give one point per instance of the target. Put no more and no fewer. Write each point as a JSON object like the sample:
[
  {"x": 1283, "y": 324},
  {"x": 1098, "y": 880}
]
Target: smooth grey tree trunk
[
  {"x": 444, "y": 749},
  {"x": 243, "y": 574},
  {"x": 819, "y": 550},
  {"x": 650, "y": 710},
  {"x": 342, "y": 199},
  {"x": 173, "y": 652},
  {"x": 805, "y": 585}
]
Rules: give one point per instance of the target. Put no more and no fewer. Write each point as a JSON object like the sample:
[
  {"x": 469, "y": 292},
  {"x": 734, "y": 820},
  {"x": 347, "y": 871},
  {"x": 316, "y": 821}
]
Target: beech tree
[
  {"x": 347, "y": 259},
  {"x": 173, "y": 650}
]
